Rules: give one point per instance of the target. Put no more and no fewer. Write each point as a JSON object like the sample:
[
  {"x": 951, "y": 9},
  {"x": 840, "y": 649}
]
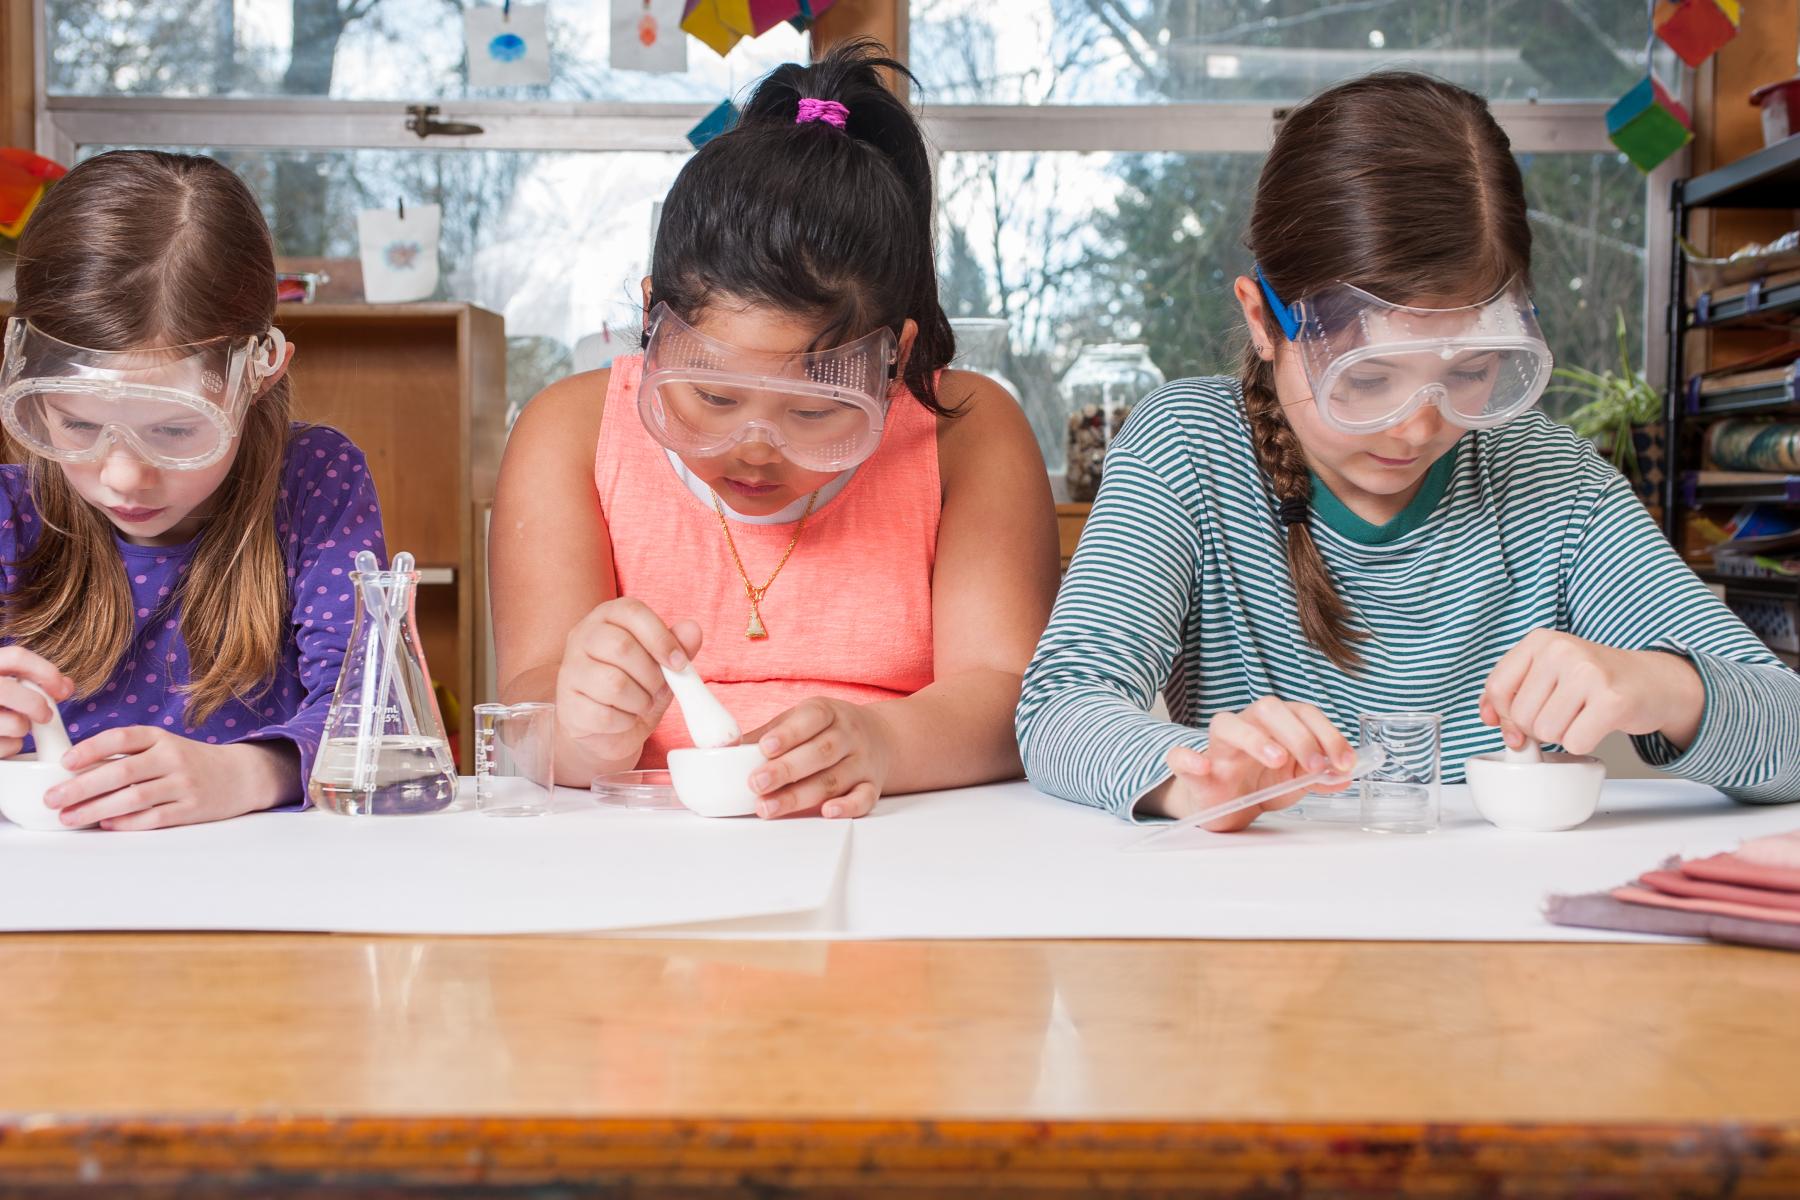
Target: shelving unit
[{"x": 1766, "y": 179}]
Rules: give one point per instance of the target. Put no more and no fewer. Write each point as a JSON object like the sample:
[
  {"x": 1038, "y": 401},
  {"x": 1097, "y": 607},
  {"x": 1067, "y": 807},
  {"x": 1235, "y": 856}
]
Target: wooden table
[{"x": 299, "y": 1065}]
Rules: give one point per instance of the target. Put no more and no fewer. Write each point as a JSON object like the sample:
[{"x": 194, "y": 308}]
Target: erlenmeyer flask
[{"x": 384, "y": 749}]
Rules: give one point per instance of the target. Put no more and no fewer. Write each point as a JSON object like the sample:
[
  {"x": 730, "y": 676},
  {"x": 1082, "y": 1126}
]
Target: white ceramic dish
[
  {"x": 1558, "y": 793},
  {"x": 716, "y": 783},
  {"x": 23, "y": 782}
]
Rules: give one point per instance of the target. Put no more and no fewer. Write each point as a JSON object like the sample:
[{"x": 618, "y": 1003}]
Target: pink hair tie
[{"x": 828, "y": 111}]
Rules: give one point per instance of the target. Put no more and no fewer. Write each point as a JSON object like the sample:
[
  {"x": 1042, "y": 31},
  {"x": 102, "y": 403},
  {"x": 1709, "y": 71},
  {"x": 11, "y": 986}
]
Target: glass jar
[{"x": 1098, "y": 393}]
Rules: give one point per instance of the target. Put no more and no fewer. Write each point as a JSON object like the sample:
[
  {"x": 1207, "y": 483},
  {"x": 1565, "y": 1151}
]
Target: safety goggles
[
  {"x": 1373, "y": 364},
  {"x": 823, "y": 410},
  {"x": 177, "y": 408}
]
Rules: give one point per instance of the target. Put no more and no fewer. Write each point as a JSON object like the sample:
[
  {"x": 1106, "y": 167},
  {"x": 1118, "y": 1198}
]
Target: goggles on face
[
  {"x": 823, "y": 410},
  {"x": 177, "y": 408},
  {"x": 1373, "y": 364}
]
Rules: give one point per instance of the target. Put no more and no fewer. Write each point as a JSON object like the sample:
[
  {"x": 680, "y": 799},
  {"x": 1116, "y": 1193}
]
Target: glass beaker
[
  {"x": 1099, "y": 391},
  {"x": 384, "y": 749},
  {"x": 1404, "y": 793},
  {"x": 515, "y": 758},
  {"x": 984, "y": 345}
]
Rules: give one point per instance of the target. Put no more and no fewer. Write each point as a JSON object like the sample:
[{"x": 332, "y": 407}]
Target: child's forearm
[{"x": 954, "y": 733}]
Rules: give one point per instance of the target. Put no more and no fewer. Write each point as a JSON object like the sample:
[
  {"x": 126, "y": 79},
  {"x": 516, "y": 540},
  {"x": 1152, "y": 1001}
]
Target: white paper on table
[
  {"x": 585, "y": 870},
  {"x": 507, "y": 48},
  {"x": 647, "y": 36},
  {"x": 1010, "y": 862},
  {"x": 399, "y": 254}
]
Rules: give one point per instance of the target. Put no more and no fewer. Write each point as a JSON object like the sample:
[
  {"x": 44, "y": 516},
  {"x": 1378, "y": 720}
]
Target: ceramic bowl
[
  {"x": 716, "y": 783},
  {"x": 23, "y": 782},
  {"x": 1560, "y": 792}
]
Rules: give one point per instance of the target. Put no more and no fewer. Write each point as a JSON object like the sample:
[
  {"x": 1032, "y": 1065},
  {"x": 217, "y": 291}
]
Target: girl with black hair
[{"x": 787, "y": 488}]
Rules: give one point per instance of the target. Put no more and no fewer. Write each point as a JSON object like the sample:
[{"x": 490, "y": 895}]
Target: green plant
[{"x": 1615, "y": 404}]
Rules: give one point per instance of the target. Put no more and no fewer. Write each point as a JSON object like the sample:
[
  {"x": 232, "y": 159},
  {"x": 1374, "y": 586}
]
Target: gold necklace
[{"x": 756, "y": 631}]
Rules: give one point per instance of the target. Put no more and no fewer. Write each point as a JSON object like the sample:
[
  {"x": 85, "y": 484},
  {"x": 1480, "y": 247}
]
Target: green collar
[{"x": 1418, "y": 510}]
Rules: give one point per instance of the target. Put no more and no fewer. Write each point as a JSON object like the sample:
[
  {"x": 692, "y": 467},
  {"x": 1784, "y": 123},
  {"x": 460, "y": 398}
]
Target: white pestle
[
  {"x": 1532, "y": 753},
  {"x": 710, "y": 724},
  {"x": 52, "y": 739},
  {"x": 23, "y": 782}
]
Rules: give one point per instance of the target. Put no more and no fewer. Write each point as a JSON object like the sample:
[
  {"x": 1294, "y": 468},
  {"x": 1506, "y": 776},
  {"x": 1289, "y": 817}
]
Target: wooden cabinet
[{"x": 421, "y": 388}]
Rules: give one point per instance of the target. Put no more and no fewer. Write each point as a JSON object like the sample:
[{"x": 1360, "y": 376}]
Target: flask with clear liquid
[{"x": 384, "y": 750}]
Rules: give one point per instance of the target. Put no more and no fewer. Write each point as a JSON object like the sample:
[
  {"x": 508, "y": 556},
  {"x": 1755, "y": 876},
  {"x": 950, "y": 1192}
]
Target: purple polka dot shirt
[{"x": 327, "y": 513}]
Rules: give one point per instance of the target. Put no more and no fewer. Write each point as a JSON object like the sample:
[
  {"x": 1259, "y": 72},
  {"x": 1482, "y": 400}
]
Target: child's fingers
[
  {"x": 1528, "y": 703},
  {"x": 18, "y": 699},
  {"x": 859, "y": 801},
  {"x": 20, "y": 663},
  {"x": 1504, "y": 680},
  {"x": 690, "y": 635},
  {"x": 650, "y": 632},
  {"x": 101, "y": 780},
  {"x": 1289, "y": 732},
  {"x": 1184, "y": 761},
  {"x": 1230, "y": 729},
  {"x": 160, "y": 816},
  {"x": 801, "y": 723},
  {"x": 1336, "y": 746},
  {"x": 1559, "y": 712},
  {"x": 812, "y": 757},
  {"x": 110, "y": 743},
  {"x": 597, "y": 647},
  {"x": 134, "y": 798},
  {"x": 14, "y": 724},
  {"x": 10, "y": 746}
]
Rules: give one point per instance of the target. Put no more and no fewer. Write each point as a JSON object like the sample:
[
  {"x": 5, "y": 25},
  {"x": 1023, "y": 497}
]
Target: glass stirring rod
[{"x": 1367, "y": 759}]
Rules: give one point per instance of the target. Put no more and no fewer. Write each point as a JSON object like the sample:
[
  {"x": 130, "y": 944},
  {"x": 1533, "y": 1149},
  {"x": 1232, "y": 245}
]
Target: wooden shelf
[
  {"x": 1767, "y": 391},
  {"x": 1759, "y": 304},
  {"x": 1769, "y": 178},
  {"x": 1739, "y": 487}
]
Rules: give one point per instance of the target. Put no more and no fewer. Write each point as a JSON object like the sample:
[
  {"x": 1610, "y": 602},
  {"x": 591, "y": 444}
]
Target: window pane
[
  {"x": 1145, "y": 51},
  {"x": 1078, "y": 249},
  {"x": 356, "y": 50},
  {"x": 555, "y": 243}
]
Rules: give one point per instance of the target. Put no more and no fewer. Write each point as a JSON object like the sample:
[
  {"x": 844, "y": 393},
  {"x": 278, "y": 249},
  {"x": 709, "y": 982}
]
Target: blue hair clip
[{"x": 1286, "y": 315}]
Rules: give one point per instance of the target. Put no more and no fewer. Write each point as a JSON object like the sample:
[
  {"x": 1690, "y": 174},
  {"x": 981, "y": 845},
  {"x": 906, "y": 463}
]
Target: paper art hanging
[
  {"x": 1696, "y": 29},
  {"x": 1648, "y": 125},
  {"x": 399, "y": 252},
  {"x": 721, "y": 24},
  {"x": 647, "y": 36},
  {"x": 713, "y": 124},
  {"x": 507, "y": 44},
  {"x": 24, "y": 177}
]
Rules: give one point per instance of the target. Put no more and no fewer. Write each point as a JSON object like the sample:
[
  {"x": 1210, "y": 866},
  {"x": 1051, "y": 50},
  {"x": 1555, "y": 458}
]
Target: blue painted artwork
[{"x": 506, "y": 47}]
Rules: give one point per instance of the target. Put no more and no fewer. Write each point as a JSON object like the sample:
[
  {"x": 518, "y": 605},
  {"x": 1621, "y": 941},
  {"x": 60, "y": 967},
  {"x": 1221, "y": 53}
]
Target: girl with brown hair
[
  {"x": 176, "y": 552},
  {"x": 1371, "y": 517}
]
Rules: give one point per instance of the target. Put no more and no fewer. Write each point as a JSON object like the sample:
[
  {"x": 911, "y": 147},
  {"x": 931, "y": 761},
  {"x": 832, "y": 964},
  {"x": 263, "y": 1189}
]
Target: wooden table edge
[{"x": 732, "y": 1154}]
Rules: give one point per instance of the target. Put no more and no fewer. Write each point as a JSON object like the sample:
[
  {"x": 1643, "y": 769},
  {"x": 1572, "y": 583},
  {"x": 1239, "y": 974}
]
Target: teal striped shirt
[{"x": 1180, "y": 584}]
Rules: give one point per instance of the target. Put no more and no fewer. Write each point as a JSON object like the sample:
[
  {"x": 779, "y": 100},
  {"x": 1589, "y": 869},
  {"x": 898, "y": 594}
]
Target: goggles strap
[
  {"x": 1286, "y": 315},
  {"x": 267, "y": 356}
]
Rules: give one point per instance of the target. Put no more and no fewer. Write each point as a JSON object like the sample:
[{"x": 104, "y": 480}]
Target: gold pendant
[{"x": 756, "y": 632}]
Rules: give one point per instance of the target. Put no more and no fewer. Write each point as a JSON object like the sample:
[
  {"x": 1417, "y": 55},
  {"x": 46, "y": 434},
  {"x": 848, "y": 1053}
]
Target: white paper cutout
[
  {"x": 507, "y": 49},
  {"x": 647, "y": 36},
  {"x": 399, "y": 255}
]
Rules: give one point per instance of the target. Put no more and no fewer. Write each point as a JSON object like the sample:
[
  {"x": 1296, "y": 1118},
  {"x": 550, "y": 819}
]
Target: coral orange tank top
[{"x": 849, "y": 616}]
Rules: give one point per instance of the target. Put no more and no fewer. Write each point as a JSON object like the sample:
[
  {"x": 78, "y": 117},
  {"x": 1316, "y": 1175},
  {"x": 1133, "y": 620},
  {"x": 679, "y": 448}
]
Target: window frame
[{"x": 65, "y": 123}]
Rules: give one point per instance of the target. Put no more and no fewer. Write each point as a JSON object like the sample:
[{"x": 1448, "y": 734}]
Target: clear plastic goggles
[
  {"x": 177, "y": 408},
  {"x": 1373, "y": 364},
  {"x": 823, "y": 410}
]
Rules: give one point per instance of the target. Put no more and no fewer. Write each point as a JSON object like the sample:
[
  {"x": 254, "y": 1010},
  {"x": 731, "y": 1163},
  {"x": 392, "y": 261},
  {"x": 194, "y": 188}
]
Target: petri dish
[{"x": 637, "y": 791}]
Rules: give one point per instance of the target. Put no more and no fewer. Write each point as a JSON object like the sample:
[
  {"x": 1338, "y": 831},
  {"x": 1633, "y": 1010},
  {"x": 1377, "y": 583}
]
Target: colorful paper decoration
[
  {"x": 508, "y": 45},
  {"x": 1648, "y": 125},
  {"x": 399, "y": 252},
  {"x": 1695, "y": 29},
  {"x": 24, "y": 177},
  {"x": 646, "y": 36},
  {"x": 702, "y": 20},
  {"x": 718, "y": 121},
  {"x": 721, "y": 24}
]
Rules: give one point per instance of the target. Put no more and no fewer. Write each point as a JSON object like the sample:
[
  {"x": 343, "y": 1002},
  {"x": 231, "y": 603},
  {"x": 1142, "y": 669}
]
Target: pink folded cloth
[
  {"x": 1638, "y": 895},
  {"x": 1674, "y": 883},
  {"x": 1600, "y": 911},
  {"x": 1777, "y": 850},
  {"x": 1729, "y": 868}
]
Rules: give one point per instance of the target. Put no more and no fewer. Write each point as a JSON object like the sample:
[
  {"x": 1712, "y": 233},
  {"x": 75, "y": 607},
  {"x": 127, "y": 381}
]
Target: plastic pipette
[{"x": 1367, "y": 759}]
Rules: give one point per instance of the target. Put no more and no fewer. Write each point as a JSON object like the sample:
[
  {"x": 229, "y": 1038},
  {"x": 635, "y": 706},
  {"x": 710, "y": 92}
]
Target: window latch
[{"x": 422, "y": 119}]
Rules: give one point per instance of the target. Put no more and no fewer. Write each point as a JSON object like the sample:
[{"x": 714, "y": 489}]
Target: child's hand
[
  {"x": 19, "y": 705},
  {"x": 157, "y": 778},
  {"x": 823, "y": 754},
  {"x": 610, "y": 692},
  {"x": 1271, "y": 741},
  {"x": 1555, "y": 687}
]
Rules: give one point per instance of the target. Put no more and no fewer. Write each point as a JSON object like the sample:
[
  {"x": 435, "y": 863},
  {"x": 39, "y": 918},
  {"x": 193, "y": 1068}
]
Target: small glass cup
[
  {"x": 515, "y": 758},
  {"x": 1404, "y": 794}
]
